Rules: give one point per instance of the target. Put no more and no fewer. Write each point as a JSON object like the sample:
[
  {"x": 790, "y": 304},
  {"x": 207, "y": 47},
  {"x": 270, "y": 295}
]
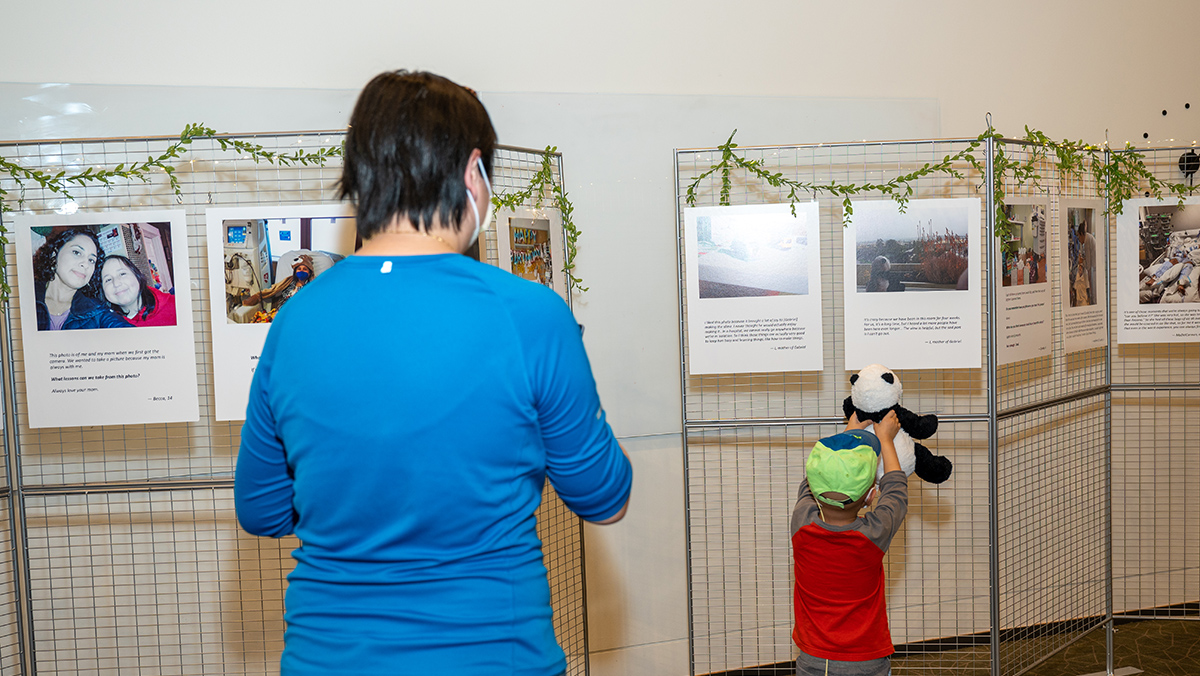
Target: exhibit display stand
[
  {"x": 1065, "y": 445},
  {"x": 119, "y": 547}
]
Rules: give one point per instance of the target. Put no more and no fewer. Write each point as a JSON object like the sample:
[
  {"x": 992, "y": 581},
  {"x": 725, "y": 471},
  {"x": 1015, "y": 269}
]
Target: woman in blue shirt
[{"x": 449, "y": 392}]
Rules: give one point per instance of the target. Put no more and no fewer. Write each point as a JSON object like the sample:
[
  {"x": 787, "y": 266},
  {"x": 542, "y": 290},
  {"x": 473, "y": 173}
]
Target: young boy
[{"x": 841, "y": 616}]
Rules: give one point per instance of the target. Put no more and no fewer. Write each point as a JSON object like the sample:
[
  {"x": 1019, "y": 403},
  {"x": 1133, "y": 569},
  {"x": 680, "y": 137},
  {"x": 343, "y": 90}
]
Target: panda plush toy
[{"x": 874, "y": 391}]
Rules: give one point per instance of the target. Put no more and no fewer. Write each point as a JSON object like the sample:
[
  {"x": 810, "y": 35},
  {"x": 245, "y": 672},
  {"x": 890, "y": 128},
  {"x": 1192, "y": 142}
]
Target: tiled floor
[{"x": 1158, "y": 648}]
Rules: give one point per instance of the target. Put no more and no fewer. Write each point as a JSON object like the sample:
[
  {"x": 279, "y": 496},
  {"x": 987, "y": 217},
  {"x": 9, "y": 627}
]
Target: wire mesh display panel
[
  {"x": 742, "y": 480},
  {"x": 1031, "y": 382},
  {"x": 193, "y": 462},
  {"x": 1155, "y": 364},
  {"x": 1156, "y": 530},
  {"x": 10, "y": 636},
  {"x": 820, "y": 394},
  {"x": 1156, "y": 509},
  {"x": 1053, "y": 528},
  {"x": 941, "y": 564},
  {"x": 146, "y": 582},
  {"x": 743, "y": 483}
]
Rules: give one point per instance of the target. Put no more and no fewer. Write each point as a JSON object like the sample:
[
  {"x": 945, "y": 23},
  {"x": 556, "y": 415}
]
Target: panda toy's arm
[{"x": 917, "y": 426}]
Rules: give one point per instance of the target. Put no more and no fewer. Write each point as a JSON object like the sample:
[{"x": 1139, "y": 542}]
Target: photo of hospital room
[
  {"x": 268, "y": 260},
  {"x": 1168, "y": 254}
]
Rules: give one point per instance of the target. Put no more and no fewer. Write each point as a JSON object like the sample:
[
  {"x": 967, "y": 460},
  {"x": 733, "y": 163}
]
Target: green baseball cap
[{"x": 843, "y": 463}]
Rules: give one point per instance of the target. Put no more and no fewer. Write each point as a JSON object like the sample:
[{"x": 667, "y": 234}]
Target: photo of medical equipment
[{"x": 247, "y": 265}]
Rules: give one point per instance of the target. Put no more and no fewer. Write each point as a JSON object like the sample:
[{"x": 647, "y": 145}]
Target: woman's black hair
[
  {"x": 407, "y": 147},
  {"x": 143, "y": 286},
  {"x": 45, "y": 259}
]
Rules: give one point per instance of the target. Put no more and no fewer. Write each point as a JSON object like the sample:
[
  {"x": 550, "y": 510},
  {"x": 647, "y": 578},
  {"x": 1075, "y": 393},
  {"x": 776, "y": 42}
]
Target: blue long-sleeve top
[{"x": 403, "y": 418}]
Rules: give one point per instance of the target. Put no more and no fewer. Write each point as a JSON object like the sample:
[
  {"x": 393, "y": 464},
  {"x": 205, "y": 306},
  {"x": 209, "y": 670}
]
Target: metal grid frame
[
  {"x": 746, "y": 435},
  {"x": 129, "y": 554},
  {"x": 1156, "y": 393}
]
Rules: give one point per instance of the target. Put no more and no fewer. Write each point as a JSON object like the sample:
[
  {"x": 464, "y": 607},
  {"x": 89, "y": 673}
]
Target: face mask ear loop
[
  {"x": 483, "y": 173},
  {"x": 475, "y": 209}
]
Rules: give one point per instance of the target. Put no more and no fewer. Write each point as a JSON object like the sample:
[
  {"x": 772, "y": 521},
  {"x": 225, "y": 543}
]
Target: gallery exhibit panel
[
  {"x": 1158, "y": 271},
  {"x": 754, "y": 288},
  {"x": 123, "y": 524},
  {"x": 530, "y": 245},
  {"x": 1047, "y": 410},
  {"x": 95, "y": 363},
  {"x": 254, "y": 249},
  {"x": 907, "y": 279},
  {"x": 1023, "y": 294}
]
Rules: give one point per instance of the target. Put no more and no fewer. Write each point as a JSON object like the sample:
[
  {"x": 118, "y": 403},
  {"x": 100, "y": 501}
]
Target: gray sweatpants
[{"x": 807, "y": 665}]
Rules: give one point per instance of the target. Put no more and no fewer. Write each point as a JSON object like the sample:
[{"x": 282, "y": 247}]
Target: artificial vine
[
  {"x": 62, "y": 183},
  {"x": 1119, "y": 175},
  {"x": 541, "y": 182}
]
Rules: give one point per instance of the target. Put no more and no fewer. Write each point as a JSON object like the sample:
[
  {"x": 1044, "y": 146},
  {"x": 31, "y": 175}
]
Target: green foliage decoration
[
  {"x": 899, "y": 188},
  {"x": 62, "y": 183},
  {"x": 1118, "y": 175},
  {"x": 541, "y": 183}
]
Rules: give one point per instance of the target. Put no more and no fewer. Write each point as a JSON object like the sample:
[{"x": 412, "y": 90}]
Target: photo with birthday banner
[{"x": 530, "y": 245}]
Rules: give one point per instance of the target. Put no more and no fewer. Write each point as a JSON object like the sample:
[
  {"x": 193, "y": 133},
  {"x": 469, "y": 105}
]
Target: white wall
[{"x": 617, "y": 86}]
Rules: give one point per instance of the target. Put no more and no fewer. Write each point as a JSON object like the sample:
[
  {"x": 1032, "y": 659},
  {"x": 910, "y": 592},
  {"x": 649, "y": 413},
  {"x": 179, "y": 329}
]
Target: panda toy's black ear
[{"x": 854, "y": 379}]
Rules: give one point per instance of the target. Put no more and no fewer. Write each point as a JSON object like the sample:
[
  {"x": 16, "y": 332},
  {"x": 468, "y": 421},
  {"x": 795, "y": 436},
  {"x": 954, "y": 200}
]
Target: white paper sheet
[
  {"x": 106, "y": 376},
  {"x": 753, "y": 289},
  {"x": 244, "y": 244},
  {"x": 1082, "y": 274},
  {"x": 1158, "y": 283},
  {"x": 1023, "y": 280},
  {"x": 530, "y": 245},
  {"x": 922, "y": 309}
]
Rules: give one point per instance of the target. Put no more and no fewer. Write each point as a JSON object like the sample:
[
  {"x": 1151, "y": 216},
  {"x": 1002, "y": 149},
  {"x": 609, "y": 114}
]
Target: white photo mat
[
  {"x": 927, "y": 325},
  {"x": 754, "y": 289},
  {"x": 1084, "y": 322},
  {"x": 1025, "y": 299},
  {"x": 109, "y": 376},
  {"x": 528, "y": 261},
  {"x": 237, "y": 342},
  {"x": 1160, "y": 304}
]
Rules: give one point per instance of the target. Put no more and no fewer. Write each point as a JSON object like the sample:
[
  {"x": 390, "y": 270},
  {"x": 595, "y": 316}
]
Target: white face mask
[{"x": 491, "y": 207}]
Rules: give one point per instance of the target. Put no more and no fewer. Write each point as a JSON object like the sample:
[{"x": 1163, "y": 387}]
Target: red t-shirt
[
  {"x": 163, "y": 313},
  {"x": 840, "y": 610}
]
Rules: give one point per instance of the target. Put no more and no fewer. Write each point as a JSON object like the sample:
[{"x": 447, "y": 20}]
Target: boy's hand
[
  {"x": 888, "y": 427},
  {"x": 855, "y": 424}
]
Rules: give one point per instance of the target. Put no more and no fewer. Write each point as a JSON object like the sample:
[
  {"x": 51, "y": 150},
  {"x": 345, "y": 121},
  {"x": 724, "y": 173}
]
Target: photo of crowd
[{"x": 103, "y": 276}]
